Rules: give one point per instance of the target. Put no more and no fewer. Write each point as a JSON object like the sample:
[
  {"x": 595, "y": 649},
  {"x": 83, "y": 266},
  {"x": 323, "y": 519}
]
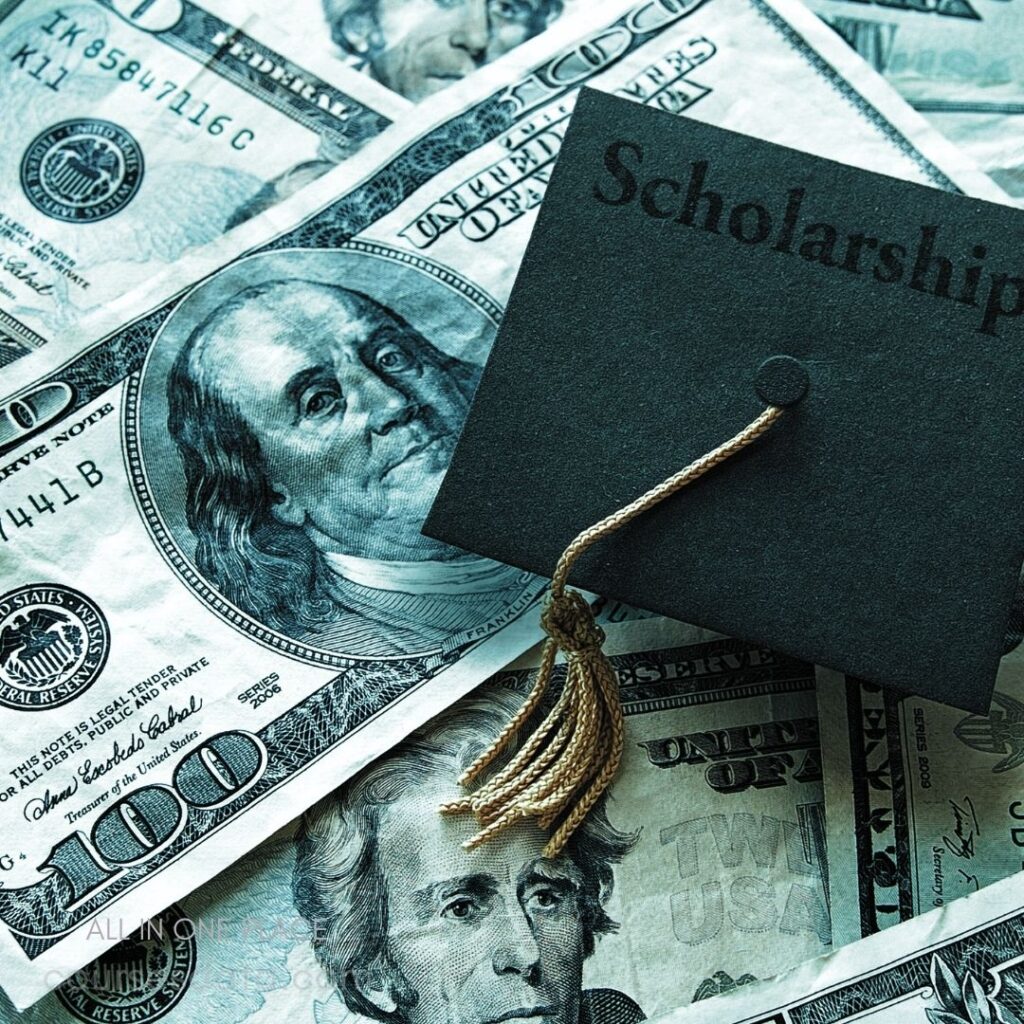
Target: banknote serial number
[
  {"x": 62, "y": 493},
  {"x": 123, "y": 68}
]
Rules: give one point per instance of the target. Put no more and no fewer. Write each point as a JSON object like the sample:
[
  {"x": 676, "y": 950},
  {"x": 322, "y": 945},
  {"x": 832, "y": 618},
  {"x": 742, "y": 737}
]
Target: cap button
[{"x": 781, "y": 381}]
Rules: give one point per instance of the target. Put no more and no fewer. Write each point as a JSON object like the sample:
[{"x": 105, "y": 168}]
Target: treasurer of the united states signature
[{"x": 89, "y": 771}]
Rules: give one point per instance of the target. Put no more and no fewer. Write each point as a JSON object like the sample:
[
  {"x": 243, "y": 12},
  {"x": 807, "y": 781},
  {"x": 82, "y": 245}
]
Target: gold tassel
[{"x": 571, "y": 758}]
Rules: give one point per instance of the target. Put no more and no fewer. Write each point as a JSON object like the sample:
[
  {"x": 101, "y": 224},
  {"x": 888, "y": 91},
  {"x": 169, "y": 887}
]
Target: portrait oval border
[{"x": 142, "y": 489}]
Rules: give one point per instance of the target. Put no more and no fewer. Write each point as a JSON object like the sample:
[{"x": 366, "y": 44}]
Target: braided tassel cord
[
  {"x": 571, "y": 758},
  {"x": 573, "y": 754}
]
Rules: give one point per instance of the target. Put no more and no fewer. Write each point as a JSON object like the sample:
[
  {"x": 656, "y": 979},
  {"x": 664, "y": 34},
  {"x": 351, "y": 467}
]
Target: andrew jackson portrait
[{"x": 413, "y": 930}]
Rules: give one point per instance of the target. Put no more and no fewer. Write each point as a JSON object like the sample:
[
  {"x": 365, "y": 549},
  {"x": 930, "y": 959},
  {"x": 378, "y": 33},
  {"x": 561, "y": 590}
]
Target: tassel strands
[{"x": 571, "y": 758}]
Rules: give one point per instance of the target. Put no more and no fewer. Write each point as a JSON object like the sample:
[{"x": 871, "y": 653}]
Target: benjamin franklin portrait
[
  {"x": 412, "y": 929},
  {"x": 312, "y": 402},
  {"x": 416, "y": 47}
]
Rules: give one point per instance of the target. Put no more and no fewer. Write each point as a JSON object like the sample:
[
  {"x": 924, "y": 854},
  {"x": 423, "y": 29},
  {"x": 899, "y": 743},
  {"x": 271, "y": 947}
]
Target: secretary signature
[
  {"x": 965, "y": 827},
  {"x": 969, "y": 879}
]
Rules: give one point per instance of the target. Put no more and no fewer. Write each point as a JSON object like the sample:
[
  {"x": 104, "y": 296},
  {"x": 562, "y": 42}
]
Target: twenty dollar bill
[
  {"x": 692, "y": 876},
  {"x": 959, "y": 964}
]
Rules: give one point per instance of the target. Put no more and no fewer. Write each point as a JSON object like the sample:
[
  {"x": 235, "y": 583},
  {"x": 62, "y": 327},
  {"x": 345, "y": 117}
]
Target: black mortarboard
[{"x": 877, "y": 527}]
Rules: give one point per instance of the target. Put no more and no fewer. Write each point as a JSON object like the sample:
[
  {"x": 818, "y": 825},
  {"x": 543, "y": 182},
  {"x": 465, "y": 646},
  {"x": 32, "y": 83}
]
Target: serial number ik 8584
[{"x": 45, "y": 65}]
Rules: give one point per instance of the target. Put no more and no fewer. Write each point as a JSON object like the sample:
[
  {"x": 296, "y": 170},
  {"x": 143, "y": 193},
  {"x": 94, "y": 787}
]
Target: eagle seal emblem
[
  {"x": 82, "y": 170},
  {"x": 53, "y": 645},
  {"x": 1001, "y": 733},
  {"x": 141, "y": 978}
]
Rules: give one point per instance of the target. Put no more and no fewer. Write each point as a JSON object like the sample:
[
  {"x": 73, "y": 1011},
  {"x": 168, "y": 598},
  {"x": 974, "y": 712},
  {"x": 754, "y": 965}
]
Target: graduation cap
[{"x": 681, "y": 279}]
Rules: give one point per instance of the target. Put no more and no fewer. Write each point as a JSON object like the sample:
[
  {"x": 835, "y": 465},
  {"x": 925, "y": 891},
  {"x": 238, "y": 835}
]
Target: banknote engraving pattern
[
  {"x": 418, "y": 344},
  {"x": 141, "y": 979},
  {"x": 82, "y": 171},
  {"x": 191, "y": 126},
  {"x": 923, "y": 799},
  {"x": 53, "y": 644}
]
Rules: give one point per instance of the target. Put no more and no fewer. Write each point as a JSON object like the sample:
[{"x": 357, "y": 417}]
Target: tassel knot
[
  {"x": 569, "y": 760},
  {"x": 568, "y": 620}
]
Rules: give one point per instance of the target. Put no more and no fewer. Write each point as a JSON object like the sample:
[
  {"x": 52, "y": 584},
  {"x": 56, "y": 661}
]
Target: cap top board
[{"x": 679, "y": 277}]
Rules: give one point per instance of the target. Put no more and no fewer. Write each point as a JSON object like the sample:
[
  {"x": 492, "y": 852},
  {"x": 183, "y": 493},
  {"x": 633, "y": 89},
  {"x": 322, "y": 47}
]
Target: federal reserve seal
[
  {"x": 82, "y": 171},
  {"x": 140, "y": 979},
  {"x": 53, "y": 644}
]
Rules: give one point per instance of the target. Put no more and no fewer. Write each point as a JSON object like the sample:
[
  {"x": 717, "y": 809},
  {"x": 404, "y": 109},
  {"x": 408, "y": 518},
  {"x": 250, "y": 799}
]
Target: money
[
  {"x": 134, "y": 134},
  {"x": 221, "y": 954},
  {"x": 959, "y": 964},
  {"x": 417, "y": 47},
  {"x": 923, "y": 800},
  {"x": 959, "y": 62},
  {"x": 238, "y": 472},
  {"x": 701, "y": 869}
]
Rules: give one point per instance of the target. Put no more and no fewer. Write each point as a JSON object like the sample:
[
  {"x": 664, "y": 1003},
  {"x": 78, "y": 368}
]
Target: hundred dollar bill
[
  {"x": 924, "y": 801},
  {"x": 701, "y": 870},
  {"x": 417, "y": 47},
  {"x": 959, "y": 62},
  {"x": 959, "y": 964},
  {"x": 211, "y": 517},
  {"x": 134, "y": 133}
]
